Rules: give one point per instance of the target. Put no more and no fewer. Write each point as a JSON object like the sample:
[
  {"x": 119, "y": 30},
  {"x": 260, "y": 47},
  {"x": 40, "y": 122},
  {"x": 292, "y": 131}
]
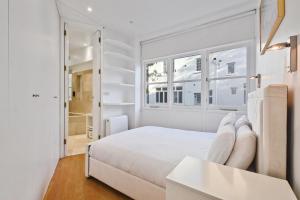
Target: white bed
[
  {"x": 150, "y": 152},
  {"x": 137, "y": 161}
]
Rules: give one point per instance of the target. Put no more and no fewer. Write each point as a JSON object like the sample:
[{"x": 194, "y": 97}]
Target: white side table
[{"x": 195, "y": 179}]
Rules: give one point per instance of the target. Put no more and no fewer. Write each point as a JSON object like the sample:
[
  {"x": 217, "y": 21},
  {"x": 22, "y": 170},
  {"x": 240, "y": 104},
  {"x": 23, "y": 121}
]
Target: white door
[
  {"x": 4, "y": 66},
  {"x": 96, "y": 84},
  {"x": 66, "y": 86},
  {"x": 5, "y": 134},
  {"x": 34, "y": 58}
]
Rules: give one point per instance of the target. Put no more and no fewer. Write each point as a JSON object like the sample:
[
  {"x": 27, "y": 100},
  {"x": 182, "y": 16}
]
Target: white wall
[
  {"x": 225, "y": 32},
  {"x": 272, "y": 67},
  {"x": 29, "y": 149},
  {"x": 219, "y": 33}
]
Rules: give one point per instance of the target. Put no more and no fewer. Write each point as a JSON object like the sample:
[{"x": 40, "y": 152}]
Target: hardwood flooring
[{"x": 69, "y": 183}]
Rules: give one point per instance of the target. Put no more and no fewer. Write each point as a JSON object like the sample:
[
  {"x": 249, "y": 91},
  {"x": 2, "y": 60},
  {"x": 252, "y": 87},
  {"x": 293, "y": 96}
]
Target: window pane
[
  {"x": 166, "y": 97},
  {"x": 175, "y": 97},
  {"x": 228, "y": 63},
  {"x": 228, "y": 92},
  {"x": 156, "y": 72},
  {"x": 187, "y": 93},
  {"x": 157, "y": 94},
  {"x": 180, "y": 97},
  {"x": 197, "y": 98},
  {"x": 187, "y": 68}
]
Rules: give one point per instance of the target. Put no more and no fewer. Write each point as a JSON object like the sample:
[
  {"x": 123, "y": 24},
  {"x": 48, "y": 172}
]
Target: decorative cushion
[
  {"x": 243, "y": 120},
  {"x": 221, "y": 147},
  {"x": 244, "y": 149},
  {"x": 230, "y": 118}
]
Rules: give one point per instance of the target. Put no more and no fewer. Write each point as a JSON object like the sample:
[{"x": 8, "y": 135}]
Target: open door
[
  {"x": 82, "y": 86},
  {"x": 66, "y": 85},
  {"x": 96, "y": 85}
]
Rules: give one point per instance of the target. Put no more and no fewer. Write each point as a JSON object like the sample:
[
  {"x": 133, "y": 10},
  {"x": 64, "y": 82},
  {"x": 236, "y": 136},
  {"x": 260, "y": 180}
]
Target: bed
[{"x": 136, "y": 162}]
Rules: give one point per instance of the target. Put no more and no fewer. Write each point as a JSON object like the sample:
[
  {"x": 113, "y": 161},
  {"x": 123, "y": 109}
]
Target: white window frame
[
  {"x": 202, "y": 80},
  {"x": 250, "y": 62},
  {"x": 169, "y": 60},
  {"x": 144, "y": 78}
]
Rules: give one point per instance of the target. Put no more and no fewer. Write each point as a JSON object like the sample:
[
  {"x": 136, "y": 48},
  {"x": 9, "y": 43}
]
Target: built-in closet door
[
  {"x": 33, "y": 87},
  {"x": 97, "y": 74},
  {"x": 4, "y": 128},
  {"x": 26, "y": 77},
  {"x": 66, "y": 85},
  {"x": 3, "y": 66}
]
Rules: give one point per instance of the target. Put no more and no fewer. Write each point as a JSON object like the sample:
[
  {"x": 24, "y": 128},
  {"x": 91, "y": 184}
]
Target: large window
[
  {"x": 216, "y": 79},
  {"x": 157, "y": 83},
  {"x": 187, "y": 80},
  {"x": 227, "y": 77}
]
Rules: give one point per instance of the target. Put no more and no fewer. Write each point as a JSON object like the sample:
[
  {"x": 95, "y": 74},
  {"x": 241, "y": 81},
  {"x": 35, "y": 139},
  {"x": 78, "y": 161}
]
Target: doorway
[{"x": 82, "y": 62}]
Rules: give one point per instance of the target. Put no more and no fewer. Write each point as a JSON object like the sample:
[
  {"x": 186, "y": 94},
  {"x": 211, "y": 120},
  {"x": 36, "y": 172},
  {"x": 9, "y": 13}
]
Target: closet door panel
[
  {"x": 4, "y": 111},
  {"x": 3, "y": 65},
  {"x": 34, "y": 62},
  {"x": 24, "y": 72}
]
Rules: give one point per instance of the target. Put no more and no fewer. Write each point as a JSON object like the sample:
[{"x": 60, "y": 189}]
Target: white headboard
[{"x": 267, "y": 111}]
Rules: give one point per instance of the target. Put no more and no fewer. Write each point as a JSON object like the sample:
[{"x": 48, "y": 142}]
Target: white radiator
[{"x": 116, "y": 124}]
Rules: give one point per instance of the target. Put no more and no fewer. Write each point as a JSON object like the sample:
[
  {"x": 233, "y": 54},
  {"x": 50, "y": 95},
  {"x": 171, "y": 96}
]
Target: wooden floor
[{"x": 69, "y": 183}]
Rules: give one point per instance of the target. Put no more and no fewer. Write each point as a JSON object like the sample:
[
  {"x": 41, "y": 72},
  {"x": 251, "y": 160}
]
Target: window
[
  {"x": 231, "y": 67},
  {"x": 210, "y": 97},
  {"x": 197, "y": 98},
  {"x": 156, "y": 83},
  {"x": 228, "y": 77},
  {"x": 161, "y": 95},
  {"x": 233, "y": 90},
  {"x": 214, "y": 79},
  {"x": 198, "y": 65},
  {"x": 186, "y": 80},
  {"x": 177, "y": 94}
]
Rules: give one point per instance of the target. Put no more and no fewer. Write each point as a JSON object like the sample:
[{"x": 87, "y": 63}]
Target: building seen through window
[{"x": 224, "y": 83}]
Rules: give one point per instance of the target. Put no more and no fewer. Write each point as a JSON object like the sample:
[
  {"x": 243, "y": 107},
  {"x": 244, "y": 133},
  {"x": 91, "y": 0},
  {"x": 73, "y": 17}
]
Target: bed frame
[{"x": 267, "y": 111}]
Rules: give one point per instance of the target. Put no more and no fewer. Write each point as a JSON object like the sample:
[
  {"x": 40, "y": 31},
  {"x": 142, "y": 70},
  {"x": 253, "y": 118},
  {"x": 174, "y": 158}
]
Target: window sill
[{"x": 193, "y": 109}]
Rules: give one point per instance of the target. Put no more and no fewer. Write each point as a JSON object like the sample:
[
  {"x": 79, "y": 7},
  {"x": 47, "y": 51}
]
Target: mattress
[{"x": 150, "y": 153}]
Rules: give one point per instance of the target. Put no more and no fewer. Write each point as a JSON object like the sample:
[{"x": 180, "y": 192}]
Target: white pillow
[
  {"x": 230, "y": 118},
  {"x": 243, "y": 120},
  {"x": 221, "y": 147},
  {"x": 244, "y": 149}
]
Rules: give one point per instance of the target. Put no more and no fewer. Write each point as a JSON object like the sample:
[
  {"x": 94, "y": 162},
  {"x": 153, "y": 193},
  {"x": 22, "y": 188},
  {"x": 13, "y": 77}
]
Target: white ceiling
[{"x": 152, "y": 16}]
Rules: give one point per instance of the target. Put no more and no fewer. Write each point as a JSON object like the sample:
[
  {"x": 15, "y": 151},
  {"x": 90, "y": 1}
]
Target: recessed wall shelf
[
  {"x": 119, "y": 44},
  {"x": 118, "y": 78}
]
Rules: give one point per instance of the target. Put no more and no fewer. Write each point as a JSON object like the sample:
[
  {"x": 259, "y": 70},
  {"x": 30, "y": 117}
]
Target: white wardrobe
[{"x": 29, "y": 97}]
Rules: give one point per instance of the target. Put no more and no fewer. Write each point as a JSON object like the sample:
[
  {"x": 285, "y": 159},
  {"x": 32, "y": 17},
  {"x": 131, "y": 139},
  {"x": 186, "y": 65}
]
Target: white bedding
[{"x": 149, "y": 152}]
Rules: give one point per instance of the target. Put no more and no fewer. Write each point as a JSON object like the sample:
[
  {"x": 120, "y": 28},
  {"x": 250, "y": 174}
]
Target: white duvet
[{"x": 149, "y": 152}]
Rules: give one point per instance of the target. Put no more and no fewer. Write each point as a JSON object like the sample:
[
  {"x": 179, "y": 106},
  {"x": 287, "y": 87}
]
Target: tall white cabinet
[
  {"x": 29, "y": 107},
  {"x": 4, "y": 66},
  {"x": 117, "y": 78}
]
